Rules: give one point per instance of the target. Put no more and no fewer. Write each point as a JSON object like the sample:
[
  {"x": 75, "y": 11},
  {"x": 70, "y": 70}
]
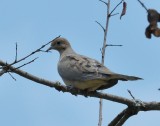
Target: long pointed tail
[{"x": 126, "y": 77}]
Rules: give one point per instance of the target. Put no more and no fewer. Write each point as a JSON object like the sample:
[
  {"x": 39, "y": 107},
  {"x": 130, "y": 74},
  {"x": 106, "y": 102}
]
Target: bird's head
[{"x": 59, "y": 44}]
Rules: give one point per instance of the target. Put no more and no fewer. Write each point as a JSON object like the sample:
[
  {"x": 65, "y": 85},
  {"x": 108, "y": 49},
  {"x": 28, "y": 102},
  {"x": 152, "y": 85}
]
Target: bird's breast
[{"x": 68, "y": 71}]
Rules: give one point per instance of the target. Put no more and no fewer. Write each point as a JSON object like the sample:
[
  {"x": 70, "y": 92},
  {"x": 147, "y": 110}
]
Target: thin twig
[
  {"x": 25, "y": 64},
  {"x": 138, "y": 103},
  {"x": 114, "y": 14},
  {"x": 12, "y": 76},
  {"x": 100, "y": 25},
  {"x": 103, "y": 2},
  {"x": 37, "y": 50},
  {"x": 143, "y": 5},
  {"x": 113, "y": 45},
  {"x": 7, "y": 70},
  {"x": 115, "y": 7},
  {"x": 16, "y": 53},
  {"x": 100, "y": 112},
  {"x": 101, "y": 50},
  {"x": 131, "y": 94}
]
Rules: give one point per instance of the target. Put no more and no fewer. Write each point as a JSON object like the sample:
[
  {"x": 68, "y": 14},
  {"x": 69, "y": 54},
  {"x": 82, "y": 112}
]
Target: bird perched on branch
[{"x": 82, "y": 72}]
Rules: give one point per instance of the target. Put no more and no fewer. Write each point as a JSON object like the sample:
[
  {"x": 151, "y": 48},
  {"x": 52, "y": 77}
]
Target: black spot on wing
[{"x": 88, "y": 65}]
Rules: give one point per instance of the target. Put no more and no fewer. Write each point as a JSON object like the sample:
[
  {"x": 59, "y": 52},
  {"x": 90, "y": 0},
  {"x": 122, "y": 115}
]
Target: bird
[{"x": 81, "y": 72}]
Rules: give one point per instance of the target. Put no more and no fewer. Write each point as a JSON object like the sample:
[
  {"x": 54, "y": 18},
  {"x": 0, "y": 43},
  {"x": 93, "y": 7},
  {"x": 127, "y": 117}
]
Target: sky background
[{"x": 32, "y": 23}]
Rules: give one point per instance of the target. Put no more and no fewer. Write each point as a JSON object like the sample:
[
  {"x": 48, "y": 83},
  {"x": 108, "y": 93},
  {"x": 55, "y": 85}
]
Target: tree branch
[
  {"x": 146, "y": 107},
  {"x": 16, "y": 53},
  {"x": 100, "y": 25},
  {"x": 37, "y": 50},
  {"x": 63, "y": 88},
  {"x": 103, "y": 56},
  {"x": 104, "y": 48},
  {"x": 113, "y": 45},
  {"x": 133, "y": 108},
  {"x": 115, "y": 7},
  {"x": 103, "y": 2},
  {"x": 122, "y": 117},
  {"x": 11, "y": 76},
  {"x": 26, "y": 63},
  {"x": 143, "y": 5},
  {"x": 117, "y": 118},
  {"x": 127, "y": 114}
]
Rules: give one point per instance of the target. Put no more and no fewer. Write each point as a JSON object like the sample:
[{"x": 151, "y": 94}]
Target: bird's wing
[
  {"x": 89, "y": 68},
  {"x": 86, "y": 68}
]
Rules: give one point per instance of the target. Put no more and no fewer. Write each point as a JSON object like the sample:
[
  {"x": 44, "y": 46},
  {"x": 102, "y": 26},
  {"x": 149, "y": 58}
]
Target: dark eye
[{"x": 58, "y": 43}]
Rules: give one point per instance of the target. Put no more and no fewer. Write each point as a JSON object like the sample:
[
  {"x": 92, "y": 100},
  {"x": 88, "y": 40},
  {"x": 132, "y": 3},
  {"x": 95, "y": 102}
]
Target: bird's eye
[{"x": 58, "y": 43}]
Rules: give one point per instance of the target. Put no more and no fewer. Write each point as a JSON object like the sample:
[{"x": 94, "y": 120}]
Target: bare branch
[
  {"x": 103, "y": 2},
  {"x": 2, "y": 72},
  {"x": 114, "y": 14},
  {"x": 103, "y": 56},
  {"x": 122, "y": 117},
  {"x": 131, "y": 94},
  {"x": 151, "y": 106},
  {"x": 101, "y": 50},
  {"x": 143, "y": 5},
  {"x": 118, "y": 118},
  {"x": 100, "y": 25},
  {"x": 100, "y": 113},
  {"x": 128, "y": 113},
  {"x": 26, "y": 63},
  {"x": 115, "y": 7},
  {"x": 5, "y": 68},
  {"x": 16, "y": 53},
  {"x": 133, "y": 108},
  {"x": 12, "y": 76},
  {"x": 138, "y": 102},
  {"x": 65, "y": 89},
  {"x": 146, "y": 107},
  {"x": 37, "y": 50},
  {"x": 113, "y": 45}
]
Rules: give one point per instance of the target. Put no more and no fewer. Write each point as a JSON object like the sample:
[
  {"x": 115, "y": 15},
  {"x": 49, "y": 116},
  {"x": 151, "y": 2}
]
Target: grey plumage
[{"x": 83, "y": 72}]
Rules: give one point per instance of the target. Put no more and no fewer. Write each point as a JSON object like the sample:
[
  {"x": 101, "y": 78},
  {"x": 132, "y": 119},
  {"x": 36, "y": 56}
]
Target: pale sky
[{"x": 32, "y": 23}]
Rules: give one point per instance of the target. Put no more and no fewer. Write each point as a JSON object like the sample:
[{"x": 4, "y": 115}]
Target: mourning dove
[{"x": 83, "y": 72}]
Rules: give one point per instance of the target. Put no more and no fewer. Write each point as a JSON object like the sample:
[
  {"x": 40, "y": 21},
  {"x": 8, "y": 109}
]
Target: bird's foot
[
  {"x": 74, "y": 91},
  {"x": 88, "y": 91}
]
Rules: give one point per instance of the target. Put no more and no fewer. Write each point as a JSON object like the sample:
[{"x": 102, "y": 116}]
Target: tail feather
[{"x": 126, "y": 77}]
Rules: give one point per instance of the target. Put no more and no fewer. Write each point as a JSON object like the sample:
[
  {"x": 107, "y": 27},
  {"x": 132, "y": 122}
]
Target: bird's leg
[{"x": 88, "y": 91}]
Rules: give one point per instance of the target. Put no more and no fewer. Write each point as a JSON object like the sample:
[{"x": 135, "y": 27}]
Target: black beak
[{"x": 50, "y": 48}]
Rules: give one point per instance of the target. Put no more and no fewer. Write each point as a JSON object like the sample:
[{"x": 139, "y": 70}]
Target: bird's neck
[{"x": 67, "y": 51}]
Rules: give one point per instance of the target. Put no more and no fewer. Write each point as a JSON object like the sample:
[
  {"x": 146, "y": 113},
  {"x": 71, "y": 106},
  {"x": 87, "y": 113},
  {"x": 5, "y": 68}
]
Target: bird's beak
[{"x": 50, "y": 48}]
